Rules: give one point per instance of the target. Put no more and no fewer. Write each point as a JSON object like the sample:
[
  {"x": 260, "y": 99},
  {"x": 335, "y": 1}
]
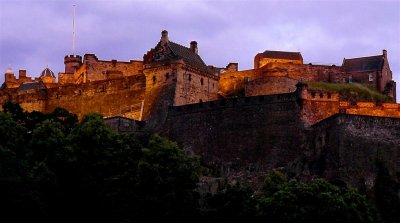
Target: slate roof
[
  {"x": 373, "y": 63},
  {"x": 186, "y": 54},
  {"x": 29, "y": 85},
  {"x": 282, "y": 55}
]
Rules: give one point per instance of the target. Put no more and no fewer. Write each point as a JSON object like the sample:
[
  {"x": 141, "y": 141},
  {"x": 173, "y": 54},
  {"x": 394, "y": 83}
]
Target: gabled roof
[
  {"x": 372, "y": 63},
  {"x": 186, "y": 54},
  {"x": 29, "y": 85},
  {"x": 282, "y": 55}
]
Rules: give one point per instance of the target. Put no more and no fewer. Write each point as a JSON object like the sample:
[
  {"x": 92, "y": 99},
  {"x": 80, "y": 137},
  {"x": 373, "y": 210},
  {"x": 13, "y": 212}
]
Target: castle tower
[
  {"x": 10, "y": 81},
  {"x": 72, "y": 62},
  {"x": 9, "y": 75}
]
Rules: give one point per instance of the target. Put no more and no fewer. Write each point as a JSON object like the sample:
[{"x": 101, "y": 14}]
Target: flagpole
[{"x": 73, "y": 30}]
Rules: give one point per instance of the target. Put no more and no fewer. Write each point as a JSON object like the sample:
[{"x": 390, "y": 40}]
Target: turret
[
  {"x": 72, "y": 62},
  {"x": 47, "y": 76}
]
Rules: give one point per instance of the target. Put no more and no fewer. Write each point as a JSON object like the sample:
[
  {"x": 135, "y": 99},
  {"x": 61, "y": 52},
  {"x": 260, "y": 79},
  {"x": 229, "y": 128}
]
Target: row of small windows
[
  {"x": 370, "y": 78},
  {"x": 321, "y": 95},
  {"x": 155, "y": 78},
  {"x": 189, "y": 78}
]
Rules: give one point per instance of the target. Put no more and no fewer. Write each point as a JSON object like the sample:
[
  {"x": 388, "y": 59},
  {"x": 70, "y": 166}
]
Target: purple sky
[{"x": 36, "y": 33}]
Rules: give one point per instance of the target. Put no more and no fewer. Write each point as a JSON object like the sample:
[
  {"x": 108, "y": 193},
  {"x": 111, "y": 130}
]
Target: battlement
[
  {"x": 73, "y": 57},
  {"x": 315, "y": 95},
  {"x": 370, "y": 109},
  {"x": 233, "y": 102},
  {"x": 318, "y": 95}
]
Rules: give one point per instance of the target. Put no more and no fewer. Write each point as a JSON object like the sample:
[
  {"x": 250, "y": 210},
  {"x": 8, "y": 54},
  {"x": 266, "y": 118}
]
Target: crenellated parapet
[{"x": 370, "y": 109}]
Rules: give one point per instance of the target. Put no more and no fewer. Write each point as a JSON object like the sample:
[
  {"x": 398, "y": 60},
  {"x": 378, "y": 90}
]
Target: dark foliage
[{"x": 54, "y": 169}]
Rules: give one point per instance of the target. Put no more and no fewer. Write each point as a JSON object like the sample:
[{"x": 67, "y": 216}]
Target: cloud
[{"x": 38, "y": 32}]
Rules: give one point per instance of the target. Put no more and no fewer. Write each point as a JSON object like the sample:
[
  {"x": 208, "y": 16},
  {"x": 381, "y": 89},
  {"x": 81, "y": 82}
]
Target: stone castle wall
[
  {"x": 347, "y": 148},
  {"x": 231, "y": 83},
  {"x": 194, "y": 87},
  {"x": 270, "y": 85},
  {"x": 108, "y": 97},
  {"x": 94, "y": 69},
  {"x": 240, "y": 136},
  {"x": 244, "y": 138}
]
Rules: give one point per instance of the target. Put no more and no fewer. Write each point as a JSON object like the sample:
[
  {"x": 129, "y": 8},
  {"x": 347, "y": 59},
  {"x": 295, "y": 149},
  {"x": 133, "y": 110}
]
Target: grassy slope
[{"x": 347, "y": 91}]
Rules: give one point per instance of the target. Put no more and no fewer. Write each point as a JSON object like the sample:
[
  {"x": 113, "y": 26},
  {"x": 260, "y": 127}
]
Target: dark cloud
[{"x": 34, "y": 33}]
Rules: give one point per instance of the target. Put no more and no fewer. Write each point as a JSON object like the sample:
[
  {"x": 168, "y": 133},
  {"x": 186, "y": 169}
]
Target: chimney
[
  {"x": 193, "y": 47},
  {"x": 384, "y": 52},
  {"x": 22, "y": 73},
  {"x": 164, "y": 37}
]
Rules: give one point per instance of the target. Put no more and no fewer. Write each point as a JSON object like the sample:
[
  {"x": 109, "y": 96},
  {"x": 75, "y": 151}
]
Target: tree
[
  {"x": 15, "y": 110},
  {"x": 167, "y": 177},
  {"x": 65, "y": 118},
  {"x": 318, "y": 201},
  {"x": 235, "y": 203},
  {"x": 17, "y": 195}
]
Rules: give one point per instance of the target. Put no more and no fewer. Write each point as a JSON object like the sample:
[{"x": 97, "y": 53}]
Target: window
[
  {"x": 190, "y": 77},
  {"x": 350, "y": 79},
  {"x": 166, "y": 76},
  {"x": 370, "y": 78},
  {"x": 201, "y": 81},
  {"x": 154, "y": 79}
]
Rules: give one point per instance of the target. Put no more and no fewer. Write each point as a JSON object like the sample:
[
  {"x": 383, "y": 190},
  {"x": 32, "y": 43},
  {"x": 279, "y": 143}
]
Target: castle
[{"x": 246, "y": 121}]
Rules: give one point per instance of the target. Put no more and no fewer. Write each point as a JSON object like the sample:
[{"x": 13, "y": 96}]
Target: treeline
[{"x": 56, "y": 169}]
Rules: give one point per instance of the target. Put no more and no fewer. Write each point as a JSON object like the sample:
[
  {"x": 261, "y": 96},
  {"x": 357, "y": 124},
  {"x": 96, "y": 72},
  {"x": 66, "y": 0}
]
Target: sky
[{"x": 35, "y": 34}]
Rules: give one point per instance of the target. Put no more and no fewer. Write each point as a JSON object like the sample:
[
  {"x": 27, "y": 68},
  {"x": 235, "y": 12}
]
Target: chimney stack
[
  {"x": 164, "y": 37},
  {"x": 193, "y": 47},
  {"x": 22, "y": 73},
  {"x": 384, "y": 53}
]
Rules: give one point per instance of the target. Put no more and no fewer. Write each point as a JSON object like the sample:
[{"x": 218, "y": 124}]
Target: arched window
[{"x": 154, "y": 79}]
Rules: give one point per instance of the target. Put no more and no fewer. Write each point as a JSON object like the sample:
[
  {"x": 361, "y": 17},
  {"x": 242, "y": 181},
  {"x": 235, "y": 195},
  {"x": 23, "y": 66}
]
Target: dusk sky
[{"x": 37, "y": 33}]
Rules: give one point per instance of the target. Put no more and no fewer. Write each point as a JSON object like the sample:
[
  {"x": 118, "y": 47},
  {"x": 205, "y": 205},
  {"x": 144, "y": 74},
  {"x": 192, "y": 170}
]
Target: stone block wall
[
  {"x": 232, "y": 82},
  {"x": 347, "y": 148},
  {"x": 194, "y": 86},
  {"x": 240, "y": 136},
  {"x": 109, "y": 97},
  {"x": 270, "y": 85},
  {"x": 65, "y": 78},
  {"x": 94, "y": 69}
]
